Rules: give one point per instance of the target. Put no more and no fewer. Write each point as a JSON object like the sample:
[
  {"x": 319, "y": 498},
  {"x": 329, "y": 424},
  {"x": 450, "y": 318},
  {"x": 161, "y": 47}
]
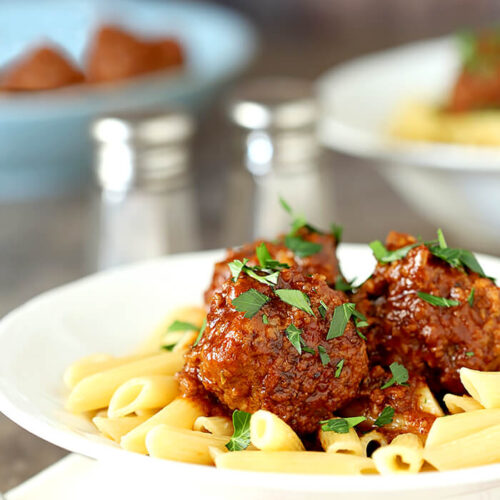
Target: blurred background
[{"x": 211, "y": 178}]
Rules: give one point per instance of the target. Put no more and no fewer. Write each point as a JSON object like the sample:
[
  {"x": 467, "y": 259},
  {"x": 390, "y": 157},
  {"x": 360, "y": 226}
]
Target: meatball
[
  {"x": 414, "y": 407},
  {"x": 323, "y": 262},
  {"x": 251, "y": 364},
  {"x": 43, "y": 68},
  {"x": 430, "y": 340}
]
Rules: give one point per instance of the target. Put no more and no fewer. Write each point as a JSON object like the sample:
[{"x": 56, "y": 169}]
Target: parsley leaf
[
  {"x": 294, "y": 336},
  {"x": 385, "y": 417},
  {"x": 343, "y": 285},
  {"x": 469, "y": 354},
  {"x": 202, "y": 331},
  {"x": 269, "y": 279},
  {"x": 169, "y": 347},
  {"x": 236, "y": 267},
  {"x": 250, "y": 302},
  {"x": 306, "y": 348},
  {"x": 322, "y": 309},
  {"x": 286, "y": 206},
  {"x": 383, "y": 255},
  {"x": 341, "y": 316},
  {"x": 295, "y": 298},
  {"x": 323, "y": 355},
  {"x": 263, "y": 254},
  {"x": 265, "y": 319},
  {"x": 399, "y": 375},
  {"x": 241, "y": 435},
  {"x": 341, "y": 425},
  {"x": 441, "y": 240},
  {"x": 300, "y": 247},
  {"x": 470, "y": 299},
  {"x": 180, "y": 326},
  {"x": 438, "y": 301},
  {"x": 337, "y": 232},
  {"x": 339, "y": 367}
]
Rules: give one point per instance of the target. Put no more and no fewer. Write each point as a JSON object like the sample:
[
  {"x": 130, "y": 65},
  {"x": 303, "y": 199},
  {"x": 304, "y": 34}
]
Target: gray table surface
[{"x": 43, "y": 243}]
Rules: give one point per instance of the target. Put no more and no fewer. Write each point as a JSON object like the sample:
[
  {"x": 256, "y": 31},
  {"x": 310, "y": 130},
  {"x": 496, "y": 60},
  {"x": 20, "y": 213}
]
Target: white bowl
[
  {"x": 44, "y": 140},
  {"x": 455, "y": 186},
  {"x": 112, "y": 312}
]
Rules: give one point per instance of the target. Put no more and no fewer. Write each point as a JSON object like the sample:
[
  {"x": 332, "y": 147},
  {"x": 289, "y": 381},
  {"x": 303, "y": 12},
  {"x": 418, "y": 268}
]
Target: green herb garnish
[
  {"x": 241, "y": 435},
  {"x": 236, "y": 267},
  {"x": 323, "y": 355},
  {"x": 441, "y": 240},
  {"x": 250, "y": 302},
  {"x": 322, "y": 309},
  {"x": 469, "y": 354},
  {"x": 339, "y": 367},
  {"x": 300, "y": 247},
  {"x": 337, "y": 232},
  {"x": 470, "y": 299},
  {"x": 399, "y": 375},
  {"x": 341, "y": 425},
  {"x": 438, "y": 301},
  {"x": 202, "y": 331},
  {"x": 383, "y": 255},
  {"x": 385, "y": 417},
  {"x": 294, "y": 335},
  {"x": 181, "y": 326},
  {"x": 343, "y": 285},
  {"x": 295, "y": 298},
  {"x": 341, "y": 316},
  {"x": 169, "y": 347},
  {"x": 265, "y": 319}
]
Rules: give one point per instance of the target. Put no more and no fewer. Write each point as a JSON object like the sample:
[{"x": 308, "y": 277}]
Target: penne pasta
[
  {"x": 183, "y": 445},
  {"x": 95, "y": 391},
  {"x": 115, "y": 428},
  {"x": 268, "y": 432},
  {"x": 223, "y": 426},
  {"x": 405, "y": 455},
  {"x": 484, "y": 387},
  {"x": 372, "y": 441},
  {"x": 94, "y": 363},
  {"x": 453, "y": 427},
  {"x": 142, "y": 393},
  {"x": 348, "y": 443},
  {"x": 181, "y": 412},
  {"x": 295, "y": 462},
  {"x": 427, "y": 402},
  {"x": 471, "y": 449},
  {"x": 460, "y": 404}
]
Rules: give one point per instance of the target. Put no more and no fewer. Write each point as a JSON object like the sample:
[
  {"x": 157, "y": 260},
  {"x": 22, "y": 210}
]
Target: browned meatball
[
  {"x": 250, "y": 365},
  {"x": 431, "y": 340},
  {"x": 323, "y": 262},
  {"x": 407, "y": 402}
]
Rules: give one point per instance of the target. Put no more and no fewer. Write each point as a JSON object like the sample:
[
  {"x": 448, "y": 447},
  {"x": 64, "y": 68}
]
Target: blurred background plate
[
  {"x": 44, "y": 145},
  {"x": 454, "y": 186}
]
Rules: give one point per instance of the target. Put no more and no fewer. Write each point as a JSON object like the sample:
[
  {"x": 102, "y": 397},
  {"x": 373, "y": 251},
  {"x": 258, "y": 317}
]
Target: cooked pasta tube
[
  {"x": 145, "y": 413},
  {"x": 478, "y": 448},
  {"x": 452, "y": 427},
  {"x": 484, "y": 387},
  {"x": 295, "y": 462},
  {"x": 403, "y": 456},
  {"x": 94, "y": 363},
  {"x": 269, "y": 433},
  {"x": 348, "y": 443},
  {"x": 427, "y": 402},
  {"x": 183, "y": 445},
  {"x": 223, "y": 426},
  {"x": 181, "y": 412},
  {"x": 142, "y": 393},
  {"x": 115, "y": 428},
  {"x": 372, "y": 441},
  {"x": 459, "y": 404},
  {"x": 95, "y": 391}
]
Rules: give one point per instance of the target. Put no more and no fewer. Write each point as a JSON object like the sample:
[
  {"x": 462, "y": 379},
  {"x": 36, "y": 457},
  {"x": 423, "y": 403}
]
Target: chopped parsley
[
  {"x": 385, "y": 417},
  {"x": 250, "y": 302},
  {"x": 286, "y": 206},
  {"x": 323, "y": 355},
  {"x": 169, "y": 347},
  {"x": 294, "y": 335},
  {"x": 295, "y": 298},
  {"x": 265, "y": 319},
  {"x": 341, "y": 425},
  {"x": 300, "y": 247},
  {"x": 241, "y": 435},
  {"x": 202, "y": 331},
  {"x": 337, "y": 232},
  {"x": 343, "y": 285},
  {"x": 441, "y": 241},
  {"x": 383, "y": 255},
  {"x": 339, "y": 367},
  {"x": 469, "y": 354},
  {"x": 236, "y": 267},
  {"x": 470, "y": 299},
  {"x": 438, "y": 301},
  {"x": 399, "y": 375},
  {"x": 341, "y": 316},
  {"x": 322, "y": 309},
  {"x": 181, "y": 326}
]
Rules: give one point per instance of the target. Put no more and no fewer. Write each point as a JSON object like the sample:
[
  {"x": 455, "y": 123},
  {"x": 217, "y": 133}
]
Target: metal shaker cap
[
  {"x": 141, "y": 148},
  {"x": 275, "y": 102}
]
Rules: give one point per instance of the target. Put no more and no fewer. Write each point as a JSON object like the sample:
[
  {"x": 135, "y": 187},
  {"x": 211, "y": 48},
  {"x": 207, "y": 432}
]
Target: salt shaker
[
  {"x": 145, "y": 204},
  {"x": 278, "y": 156}
]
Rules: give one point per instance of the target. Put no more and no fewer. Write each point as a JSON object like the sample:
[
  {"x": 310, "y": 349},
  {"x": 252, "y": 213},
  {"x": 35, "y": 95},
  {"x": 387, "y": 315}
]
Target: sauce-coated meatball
[
  {"x": 323, "y": 262},
  {"x": 251, "y": 364},
  {"x": 431, "y": 340}
]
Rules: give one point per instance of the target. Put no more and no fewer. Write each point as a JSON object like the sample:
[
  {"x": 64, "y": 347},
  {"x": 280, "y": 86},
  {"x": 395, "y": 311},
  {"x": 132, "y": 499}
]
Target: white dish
[
  {"x": 112, "y": 312},
  {"x": 455, "y": 186}
]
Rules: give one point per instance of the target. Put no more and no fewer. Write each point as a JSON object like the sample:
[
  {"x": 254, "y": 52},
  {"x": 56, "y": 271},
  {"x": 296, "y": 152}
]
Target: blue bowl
[{"x": 44, "y": 144}]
